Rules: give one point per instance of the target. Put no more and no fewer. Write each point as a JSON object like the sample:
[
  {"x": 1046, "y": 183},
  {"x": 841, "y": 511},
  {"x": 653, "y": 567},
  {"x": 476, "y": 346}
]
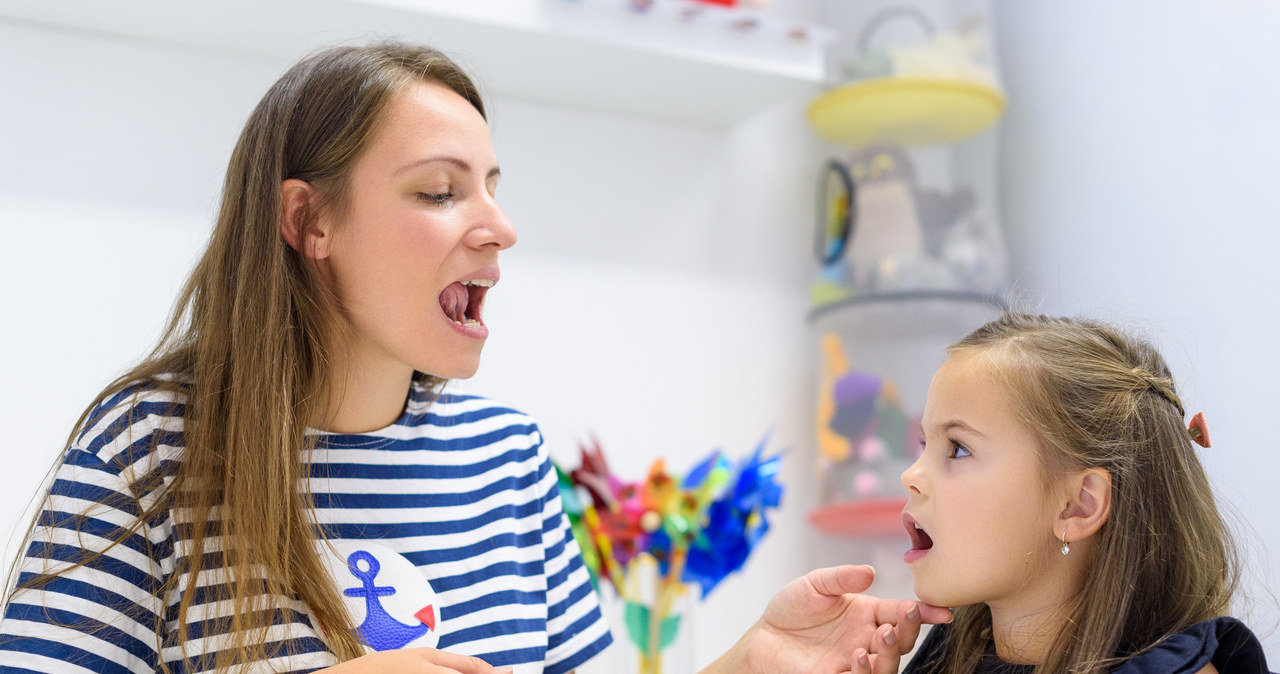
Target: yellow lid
[{"x": 905, "y": 111}]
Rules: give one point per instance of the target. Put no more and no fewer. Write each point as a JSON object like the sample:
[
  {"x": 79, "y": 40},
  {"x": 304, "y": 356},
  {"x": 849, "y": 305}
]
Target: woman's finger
[
  {"x": 839, "y": 580},
  {"x": 861, "y": 662},
  {"x": 463, "y": 664},
  {"x": 890, "y": 611},
  {"x": 907, "y": 628},
  {"x": 887, "y": 655},
  {"x": 933, "y": 615}
]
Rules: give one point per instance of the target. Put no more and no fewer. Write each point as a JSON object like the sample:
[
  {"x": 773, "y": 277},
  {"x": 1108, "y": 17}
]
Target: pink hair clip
[{"x": 1199, "y": 430}]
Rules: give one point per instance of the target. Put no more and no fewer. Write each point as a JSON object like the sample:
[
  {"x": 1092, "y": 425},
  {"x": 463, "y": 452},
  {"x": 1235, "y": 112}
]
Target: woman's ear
[
  {"x": 1088, "y": 504},
  {"x": 300, "y": 226}
]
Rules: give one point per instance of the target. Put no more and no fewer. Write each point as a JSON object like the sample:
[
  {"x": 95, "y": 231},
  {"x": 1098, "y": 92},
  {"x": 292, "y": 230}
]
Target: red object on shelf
[{"x": 866, "y": 517}]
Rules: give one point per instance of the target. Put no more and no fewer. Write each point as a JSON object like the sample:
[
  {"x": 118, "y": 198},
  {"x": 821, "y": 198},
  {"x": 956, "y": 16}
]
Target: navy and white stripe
[{"x": 460, "y": 486}]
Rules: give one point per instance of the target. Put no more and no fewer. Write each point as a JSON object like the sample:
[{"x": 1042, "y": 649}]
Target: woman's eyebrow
[{"x": 459, "y": 163}]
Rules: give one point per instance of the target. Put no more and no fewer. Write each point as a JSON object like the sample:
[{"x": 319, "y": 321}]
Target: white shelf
[{"x": 589, "y": 54}]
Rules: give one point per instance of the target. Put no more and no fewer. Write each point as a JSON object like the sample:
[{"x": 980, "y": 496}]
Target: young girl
[
  {"x": 282, "y": 486},
  {"x": 1060, "y": 505}
]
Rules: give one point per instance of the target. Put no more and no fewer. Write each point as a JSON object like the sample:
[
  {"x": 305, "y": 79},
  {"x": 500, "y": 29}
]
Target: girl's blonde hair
[
  {"x": 1165, "y": 560},
  {"x": 249, "y": 341}
]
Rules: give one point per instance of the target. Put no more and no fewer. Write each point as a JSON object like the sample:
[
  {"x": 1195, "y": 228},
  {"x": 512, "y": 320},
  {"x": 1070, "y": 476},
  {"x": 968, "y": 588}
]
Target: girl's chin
[{"x": 931, "y": 594}]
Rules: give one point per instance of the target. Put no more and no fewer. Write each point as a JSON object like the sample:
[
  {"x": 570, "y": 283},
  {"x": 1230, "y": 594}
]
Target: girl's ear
[
  {"x": 1089, "y": 504},
  {"x": 300, "y": 226}
]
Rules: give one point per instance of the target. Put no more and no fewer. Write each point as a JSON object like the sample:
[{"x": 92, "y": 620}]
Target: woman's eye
[
  {"x": 437, "y": 199},
  {"x": 959, "y": 451}
]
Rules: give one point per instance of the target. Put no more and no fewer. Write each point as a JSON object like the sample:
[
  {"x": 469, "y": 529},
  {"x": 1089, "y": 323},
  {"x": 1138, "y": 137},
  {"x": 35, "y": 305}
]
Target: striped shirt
[{"x": 446, "y": 530}]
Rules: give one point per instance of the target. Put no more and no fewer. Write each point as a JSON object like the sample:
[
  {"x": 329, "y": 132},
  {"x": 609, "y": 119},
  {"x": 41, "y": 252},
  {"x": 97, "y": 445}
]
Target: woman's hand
[
  {"x": 415, "y": 661},
  {"x": 818, "y": 624}
]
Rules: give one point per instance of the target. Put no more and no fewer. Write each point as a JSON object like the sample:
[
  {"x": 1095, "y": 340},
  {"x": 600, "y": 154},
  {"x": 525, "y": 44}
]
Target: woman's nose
[{"x": 493, "y": 229}]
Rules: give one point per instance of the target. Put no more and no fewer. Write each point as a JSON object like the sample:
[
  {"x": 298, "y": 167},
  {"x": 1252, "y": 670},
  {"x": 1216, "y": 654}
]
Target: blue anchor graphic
[{"x": 380, "y": 630}]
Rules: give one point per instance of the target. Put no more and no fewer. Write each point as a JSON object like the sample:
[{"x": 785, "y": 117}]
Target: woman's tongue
[{"x": 453, "y": 300}]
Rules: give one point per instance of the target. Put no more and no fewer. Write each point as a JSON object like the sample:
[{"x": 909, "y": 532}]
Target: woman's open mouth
[
  {"x": 921, "y": 543},
  {"x": 462, "y": 302}
]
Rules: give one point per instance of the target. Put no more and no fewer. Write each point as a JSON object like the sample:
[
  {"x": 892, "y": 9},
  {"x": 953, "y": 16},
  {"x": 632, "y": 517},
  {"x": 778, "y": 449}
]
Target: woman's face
[
  {"x": 417, "y": 247},
  {"x": 977, "y": 494}
]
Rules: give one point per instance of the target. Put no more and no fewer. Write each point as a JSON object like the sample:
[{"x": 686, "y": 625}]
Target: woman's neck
[{"x": 363, "y": 397}]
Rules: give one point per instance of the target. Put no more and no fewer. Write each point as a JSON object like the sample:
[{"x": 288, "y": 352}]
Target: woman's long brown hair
[
  {"x": 1165, "y": 560},
  {"x": 249, "y": 343}
]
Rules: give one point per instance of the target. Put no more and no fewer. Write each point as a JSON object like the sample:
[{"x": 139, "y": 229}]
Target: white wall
[
  {"x": 1140, "y": 154},
  {"x": 656, "y": 298},
  {"x": 112, "y": 160}
]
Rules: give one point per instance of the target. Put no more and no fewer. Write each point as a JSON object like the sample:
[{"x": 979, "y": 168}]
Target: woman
[{"x": 282, "y": 484}]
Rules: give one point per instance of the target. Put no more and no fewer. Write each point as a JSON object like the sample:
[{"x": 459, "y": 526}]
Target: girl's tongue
[{"x": 919, "y": 539}]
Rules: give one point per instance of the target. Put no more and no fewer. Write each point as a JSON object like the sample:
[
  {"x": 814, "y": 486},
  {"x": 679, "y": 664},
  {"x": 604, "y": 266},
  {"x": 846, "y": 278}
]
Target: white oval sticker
[{"x": 388, "y": 599}]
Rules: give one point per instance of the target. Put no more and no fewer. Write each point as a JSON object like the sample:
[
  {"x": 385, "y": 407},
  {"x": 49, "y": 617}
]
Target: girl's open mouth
[{"x": 921, "y": 543}]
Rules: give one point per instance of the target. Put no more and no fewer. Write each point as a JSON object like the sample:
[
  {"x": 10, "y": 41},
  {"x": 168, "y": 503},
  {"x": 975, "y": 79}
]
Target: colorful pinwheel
[{"x": 691, "y": 532}]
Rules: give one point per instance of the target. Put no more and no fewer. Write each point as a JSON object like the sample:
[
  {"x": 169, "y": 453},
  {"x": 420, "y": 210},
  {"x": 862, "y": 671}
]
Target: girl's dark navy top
[{"x": 1225, "y": 642}]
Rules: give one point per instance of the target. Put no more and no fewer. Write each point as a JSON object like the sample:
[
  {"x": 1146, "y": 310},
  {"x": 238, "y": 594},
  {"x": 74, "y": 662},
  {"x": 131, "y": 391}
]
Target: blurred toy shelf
[
  {"x": 668, "y": 59},
  {"x": 862, "y": 518},
  {"x": 865, "y": 434}
]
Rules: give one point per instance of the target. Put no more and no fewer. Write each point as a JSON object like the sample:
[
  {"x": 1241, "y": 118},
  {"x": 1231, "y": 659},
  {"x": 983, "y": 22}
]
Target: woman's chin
[
  {"x": 457, "y": 365},
  {"x": 461, "y": 371}
]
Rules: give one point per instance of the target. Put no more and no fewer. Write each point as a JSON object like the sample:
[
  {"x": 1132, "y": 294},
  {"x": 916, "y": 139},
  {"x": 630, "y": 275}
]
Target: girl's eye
[
  {"x": 958, "y": 451},
  {"x": 437, "y": 199}
]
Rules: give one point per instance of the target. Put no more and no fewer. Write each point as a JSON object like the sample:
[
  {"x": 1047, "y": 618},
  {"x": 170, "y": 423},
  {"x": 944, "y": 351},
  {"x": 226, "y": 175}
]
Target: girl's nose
[{"x": 913, "y": 475}]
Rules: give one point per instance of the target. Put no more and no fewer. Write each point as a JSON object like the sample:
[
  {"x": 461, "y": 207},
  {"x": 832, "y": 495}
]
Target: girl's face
[
  {"x": 977, "y": 495},
  {"x": 418, "y": 244}
]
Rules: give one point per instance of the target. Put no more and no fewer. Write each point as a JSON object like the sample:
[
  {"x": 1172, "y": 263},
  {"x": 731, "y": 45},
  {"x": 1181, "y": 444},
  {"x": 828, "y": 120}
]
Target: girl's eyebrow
[
  {"x": 955, "y": 423},
  {"x": 460, "y": 163}
]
